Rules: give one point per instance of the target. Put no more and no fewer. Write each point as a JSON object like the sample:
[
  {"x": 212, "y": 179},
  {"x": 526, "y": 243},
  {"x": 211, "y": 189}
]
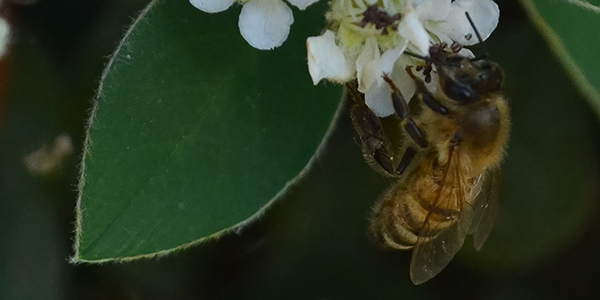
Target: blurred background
[{"x": 312, "y": 244}]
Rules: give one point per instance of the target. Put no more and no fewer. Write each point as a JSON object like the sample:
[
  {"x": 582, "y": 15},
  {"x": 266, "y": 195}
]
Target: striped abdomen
[{"x": 424, "y": 192}]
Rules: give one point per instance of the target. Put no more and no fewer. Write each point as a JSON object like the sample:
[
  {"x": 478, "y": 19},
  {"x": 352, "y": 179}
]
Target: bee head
[{"x": 465, "y": 81}]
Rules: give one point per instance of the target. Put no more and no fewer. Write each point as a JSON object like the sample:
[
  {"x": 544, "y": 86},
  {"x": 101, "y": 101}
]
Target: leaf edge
[
  {"x": 591, "y": 94},
  {"x": 76, "y": 259}
]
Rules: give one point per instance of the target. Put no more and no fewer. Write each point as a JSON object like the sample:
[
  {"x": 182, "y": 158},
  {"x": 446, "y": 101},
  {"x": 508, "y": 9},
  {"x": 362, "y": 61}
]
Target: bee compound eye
[{"x": 459, "y": 92}]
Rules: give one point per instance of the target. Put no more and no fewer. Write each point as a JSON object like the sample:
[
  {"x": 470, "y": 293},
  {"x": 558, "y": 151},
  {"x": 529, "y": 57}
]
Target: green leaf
[
  {"x": 194, "y": 133},
  {"x": 570, "y": 27}
]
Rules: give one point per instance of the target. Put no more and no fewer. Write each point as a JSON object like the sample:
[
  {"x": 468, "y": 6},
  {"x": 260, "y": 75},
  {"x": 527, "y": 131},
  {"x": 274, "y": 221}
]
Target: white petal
[
  {"x": 378, "y": 99},
  {"x": 436, "y": 29},
  {"x": 466, "y": 53},
  {"x": 434, "y": 10},
  {"x": 388, "y": 5},
  {"x": 212, "y": 6},
  {"x": 412, "y": 29},
  {"x": 485, "y": 15},
  {"x": 326, "y": 59},
  {"x": 302, "y": 4},
  {"x": 388, "y": 61},
  {"x": 265, "y": 24},
  {"x": 366, "y": 64},
  {"x": 402, "y": 80},
  {"x": 4, "y": 36}
]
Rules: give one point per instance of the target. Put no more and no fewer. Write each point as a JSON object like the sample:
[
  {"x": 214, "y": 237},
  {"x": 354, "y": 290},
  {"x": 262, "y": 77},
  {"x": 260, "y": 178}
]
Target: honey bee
[{"x": 447, "y": 180}]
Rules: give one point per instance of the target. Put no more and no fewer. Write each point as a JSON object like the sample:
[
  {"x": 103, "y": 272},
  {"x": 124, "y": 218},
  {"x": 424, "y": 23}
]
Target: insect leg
[
  {"x": 427, "y": 97},
  {"x": 402, "y": 110},
  {"x": 409, "y": 154},
  {"x": 433, "y": 104},
  {"x": 376, "y": 148}
]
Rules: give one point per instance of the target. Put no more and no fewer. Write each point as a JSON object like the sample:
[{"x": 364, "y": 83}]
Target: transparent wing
[
  {"x": 437, "y": 245},
  {"x": 485, "y": 207}
]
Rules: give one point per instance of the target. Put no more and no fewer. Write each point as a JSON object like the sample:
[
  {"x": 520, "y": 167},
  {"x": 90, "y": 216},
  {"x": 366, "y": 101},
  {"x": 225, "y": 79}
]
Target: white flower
[
  {"x": 212, "y": 6},
  {"x": 412, "y": 29},
  {"x": 372, "y": 35},
  {"x": 4, "y": 36},
  {"x": 326, "y": 59},
  {"x": 264, "y": 24}
]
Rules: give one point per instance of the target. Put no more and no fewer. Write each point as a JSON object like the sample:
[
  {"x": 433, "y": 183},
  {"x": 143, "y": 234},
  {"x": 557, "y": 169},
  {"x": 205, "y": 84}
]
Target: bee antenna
[
  {"x": 486, "y": 54},
  {"x": 425, "y": 58}
]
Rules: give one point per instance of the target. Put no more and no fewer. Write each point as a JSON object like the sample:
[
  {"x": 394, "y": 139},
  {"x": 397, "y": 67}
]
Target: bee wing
[
  {"x": 485, "y": 207},
  {"x": 433, "y": 252}
]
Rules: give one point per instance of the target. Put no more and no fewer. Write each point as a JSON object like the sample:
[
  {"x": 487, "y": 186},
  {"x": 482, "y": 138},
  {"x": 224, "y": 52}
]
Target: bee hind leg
[
  {"x": 376, "y": 147},
  {"x": 384, "y": 161}
]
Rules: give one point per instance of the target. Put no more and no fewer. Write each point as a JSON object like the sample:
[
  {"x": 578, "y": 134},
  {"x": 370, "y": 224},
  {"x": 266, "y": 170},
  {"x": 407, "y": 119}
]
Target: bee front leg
[
  {"x": 402, "y": 110},
  {"x": 426, "y": 95}
]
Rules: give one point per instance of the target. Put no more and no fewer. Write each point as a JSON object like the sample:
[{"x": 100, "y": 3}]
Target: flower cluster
[
  {"x": 264, "y": 24},
  {"x": 366, "y": 39}
]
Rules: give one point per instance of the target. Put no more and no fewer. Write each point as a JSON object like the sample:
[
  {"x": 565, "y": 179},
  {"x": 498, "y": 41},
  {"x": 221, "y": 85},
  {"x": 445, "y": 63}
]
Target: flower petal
[
  {"x": 464, "y": 52},
  {"x": 388, "y": 6},
  {"x": 212, "y": 6},
  {"x": 388, "y": 61},
  {"x": 402, "y": 80},
  {"x": 4, "y": 36},
  {"x": 378, "y": 99},
  {"x": 265, "y": 24},
  {"x": 392, "y": 63},
  {"x": 326, "y": 59},
  {"x": 485, "y": 15},
  {"x": 438, "y": 32},
  {"x": 302, "y": 4},
  {"x": 434, "y": 10},
  {"x": 366, "y": 64},
  {"x": 412, "y": 29}
]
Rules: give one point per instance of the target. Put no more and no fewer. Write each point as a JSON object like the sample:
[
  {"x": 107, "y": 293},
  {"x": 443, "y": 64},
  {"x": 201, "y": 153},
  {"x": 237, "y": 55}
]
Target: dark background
[{"x": 313, "y": 243}]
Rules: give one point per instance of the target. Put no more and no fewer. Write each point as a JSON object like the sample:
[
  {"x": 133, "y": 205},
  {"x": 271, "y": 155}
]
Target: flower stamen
[{"x": 381, "y": 19}]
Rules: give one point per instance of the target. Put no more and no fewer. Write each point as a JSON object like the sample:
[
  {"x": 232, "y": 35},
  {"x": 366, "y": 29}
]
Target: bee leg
[
  {"x": 433, "y": 104},
  {"x": 427, "y": 97},
  {"x": 402, "y": 110},
  {"x": 384, "y": 160},
  {"x": 378, "y": 155},
  {"x": 376, "y": 148},
  {"x": 409, "y": 154}
]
